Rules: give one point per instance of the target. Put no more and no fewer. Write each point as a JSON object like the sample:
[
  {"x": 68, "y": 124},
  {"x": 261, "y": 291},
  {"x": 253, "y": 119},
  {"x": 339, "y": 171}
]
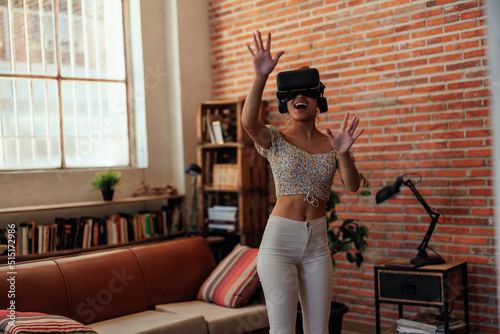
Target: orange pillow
[{"x": 234, "y": 280}]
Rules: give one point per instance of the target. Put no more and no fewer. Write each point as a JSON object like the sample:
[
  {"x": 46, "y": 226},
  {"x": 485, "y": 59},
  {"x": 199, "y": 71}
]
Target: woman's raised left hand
[{"x": 346, "y": 136}]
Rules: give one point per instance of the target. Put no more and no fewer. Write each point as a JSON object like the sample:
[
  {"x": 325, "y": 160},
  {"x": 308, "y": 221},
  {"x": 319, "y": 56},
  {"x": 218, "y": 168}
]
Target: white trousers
[{"x": 294, "y": 264}]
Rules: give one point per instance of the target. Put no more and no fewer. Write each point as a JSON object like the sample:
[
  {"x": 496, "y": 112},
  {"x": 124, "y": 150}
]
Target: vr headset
[{"x": 306, "y": 82}]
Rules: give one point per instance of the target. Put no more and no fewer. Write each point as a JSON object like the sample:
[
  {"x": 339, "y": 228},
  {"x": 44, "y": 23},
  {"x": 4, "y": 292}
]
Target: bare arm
[
  {"x": 349, "y": 172},
  {"x": 263, "y": 65},
  {"x": 342, "y": 143}
]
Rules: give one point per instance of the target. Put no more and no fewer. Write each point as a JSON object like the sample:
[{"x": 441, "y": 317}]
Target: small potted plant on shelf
[
  {"x": 348, "y": 238},
  {"x": 106, "y": 182}
]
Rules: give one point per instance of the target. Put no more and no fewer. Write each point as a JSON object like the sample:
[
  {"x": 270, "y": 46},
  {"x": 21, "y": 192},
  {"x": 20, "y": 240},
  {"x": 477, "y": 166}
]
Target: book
[
  {"x": 403, "y": 329},
  {"x": 225, "y": 175},
  {"x": 221, "y": 227},
  {"x": 209, "y": 119},
  {"x": 23, "y": 240},
  {"x": 217, "y": 128},
  {"x": 432, "y": 323},
  {"x": 176, "y": 219},
  {"x": 60, "y": 229},
  {"x": 29, "y": 237},
  {"x": 222, "y": 212}
]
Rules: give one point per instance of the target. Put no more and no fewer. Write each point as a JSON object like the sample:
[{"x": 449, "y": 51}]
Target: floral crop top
[{"x": 296, "y": 171}]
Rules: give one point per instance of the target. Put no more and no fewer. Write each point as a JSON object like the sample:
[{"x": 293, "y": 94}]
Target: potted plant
[
  {"x": 348, "y": 238},
  {"x": 106, "y": 182}
]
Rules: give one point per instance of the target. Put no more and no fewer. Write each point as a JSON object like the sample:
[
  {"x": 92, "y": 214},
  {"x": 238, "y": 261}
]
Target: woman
[{"x": 294, "y": 259}]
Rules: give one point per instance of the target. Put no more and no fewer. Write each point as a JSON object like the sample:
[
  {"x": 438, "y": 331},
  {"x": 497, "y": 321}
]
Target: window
[{"x": 63, "y": 84}]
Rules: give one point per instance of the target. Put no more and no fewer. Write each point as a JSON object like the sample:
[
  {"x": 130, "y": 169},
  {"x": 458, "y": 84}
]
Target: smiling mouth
[{"x": 300, "y": 105}]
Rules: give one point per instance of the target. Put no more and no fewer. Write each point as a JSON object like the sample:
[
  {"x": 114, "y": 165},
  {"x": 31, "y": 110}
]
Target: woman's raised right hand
[{"x": 263, "y": 62}]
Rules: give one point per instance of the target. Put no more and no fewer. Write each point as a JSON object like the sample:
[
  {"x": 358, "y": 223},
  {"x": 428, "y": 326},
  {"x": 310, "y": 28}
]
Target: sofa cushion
[
  {"x": 234, "y": 280},
  {"x": 34, "y": 322},
  {"x": 104, "y": 285},
  {"x": 220, "y": 319},
  {"x": 152, "y": 322},
  {"x": 39, "y": 287},
  {"x": 175, "y": 270}
]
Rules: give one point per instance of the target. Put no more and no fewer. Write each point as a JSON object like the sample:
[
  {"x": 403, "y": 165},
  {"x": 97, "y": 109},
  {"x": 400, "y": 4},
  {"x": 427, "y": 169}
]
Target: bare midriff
[{"x": 294, "y": 207}]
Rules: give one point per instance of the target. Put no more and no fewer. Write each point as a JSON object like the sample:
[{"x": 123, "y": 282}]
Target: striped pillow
[
  {"x": 31, "y": 322},
  {"x": 234, "y": 280}
]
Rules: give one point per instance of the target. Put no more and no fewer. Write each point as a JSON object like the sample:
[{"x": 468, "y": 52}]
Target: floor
[{"x": 355, "y": 327}]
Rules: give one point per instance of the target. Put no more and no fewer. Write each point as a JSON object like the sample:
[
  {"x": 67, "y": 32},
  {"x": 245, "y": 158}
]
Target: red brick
[
  {"x": 463, "y": 6},
  {"x": 464, "y": 65},
  {"x": 466, "y": 143},
  {"x": 474, "y": 54},
  {"x": 464, "y": 104},
  {"x": 383, "y": 49},
  {"x": 369, "y": 26},
  {"x": 481, "y": 192},
  {"x": 469, "y": 202},
  {"x": 453, "y": 249},
  {"x": 427, "y": 89},
  {"x": 460, "y": 26},
  {"x": 448, "y": 115},
  {"x": 449, "y": 96},
  {"x": 478, "y": 133},
  {"x": 461, "y": 46},
  {"x": 393, "y": 3},
  {"x": 476, "y": 93},
  {"x": 474, "y": 33},
  {"x": 472, "y": 15},
  {"x": 468, "y": 163},
  {"x": 480, "y": 153},
  {"x": 428, "y": 70},
  {"x": 465, "y": 85},
  {"x": 446, "y": 77},
  {"x": 395, "y": 39},
  {"x": 442, "y": 20},
  {"x": 443, "y": 39},
  {"x": 449, "y": 154}
]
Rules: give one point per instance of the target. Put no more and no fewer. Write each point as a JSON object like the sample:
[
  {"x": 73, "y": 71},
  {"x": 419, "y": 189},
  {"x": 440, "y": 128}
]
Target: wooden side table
[{"x": 432, "y": 286}]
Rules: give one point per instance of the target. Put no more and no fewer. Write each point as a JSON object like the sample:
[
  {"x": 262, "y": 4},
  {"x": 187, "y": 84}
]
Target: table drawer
[{"x": 401, "y": 286}]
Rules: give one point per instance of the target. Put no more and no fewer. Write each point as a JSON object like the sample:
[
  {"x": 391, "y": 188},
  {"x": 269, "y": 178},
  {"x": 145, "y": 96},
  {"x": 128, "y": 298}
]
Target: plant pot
[
  {"x": 107, "y": 195},
  {"x": 337, "y": 312}
]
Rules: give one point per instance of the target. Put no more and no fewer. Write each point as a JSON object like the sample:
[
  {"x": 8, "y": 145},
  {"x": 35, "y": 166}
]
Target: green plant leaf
[
  {"x": 106, "y": 181},
  {"x": 350, "y": 234}
]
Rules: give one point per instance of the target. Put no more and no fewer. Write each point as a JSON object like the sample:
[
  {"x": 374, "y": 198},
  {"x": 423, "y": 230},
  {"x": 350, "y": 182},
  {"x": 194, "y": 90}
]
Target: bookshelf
[
  {"x": 75, "y": 205},
  {"x": 171, "y": 206},
  {"x": 233, "y": 173}
]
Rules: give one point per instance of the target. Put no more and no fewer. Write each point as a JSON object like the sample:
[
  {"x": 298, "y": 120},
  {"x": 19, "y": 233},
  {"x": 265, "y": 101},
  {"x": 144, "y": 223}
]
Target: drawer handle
[{"x": 409, "y": 289}]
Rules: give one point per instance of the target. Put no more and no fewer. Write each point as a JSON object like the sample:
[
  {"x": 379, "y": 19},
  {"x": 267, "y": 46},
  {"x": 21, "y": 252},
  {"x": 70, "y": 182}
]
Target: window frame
[{"x": 134, "y": 92}]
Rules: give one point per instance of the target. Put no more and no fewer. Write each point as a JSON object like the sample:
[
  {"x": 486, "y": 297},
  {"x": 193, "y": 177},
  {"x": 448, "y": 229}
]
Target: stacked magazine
[
  {"x": 426, "y": 323},
  {"x": 222, "y": 218}
]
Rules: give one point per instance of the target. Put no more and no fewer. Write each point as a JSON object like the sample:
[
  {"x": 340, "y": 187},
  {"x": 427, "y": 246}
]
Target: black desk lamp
[
  {"x": 194, "y": 170},
  {"x": 387, "y": 192}
]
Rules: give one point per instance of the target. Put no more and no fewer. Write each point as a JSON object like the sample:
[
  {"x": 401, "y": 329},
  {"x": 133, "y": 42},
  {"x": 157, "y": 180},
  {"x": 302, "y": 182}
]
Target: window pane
[
  {"x": 94, "y": 114},
  {"x": 92, "y": 39},
  {"x": 29, "y": 124},
  {"x": 5, "y": 66},
  {"x": 27, "y": 38},
  {"x": 95, "y": 124}
]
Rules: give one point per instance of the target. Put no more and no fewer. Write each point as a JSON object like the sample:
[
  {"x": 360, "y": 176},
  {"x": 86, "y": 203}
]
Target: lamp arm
[{"x": 434, "y": 215}]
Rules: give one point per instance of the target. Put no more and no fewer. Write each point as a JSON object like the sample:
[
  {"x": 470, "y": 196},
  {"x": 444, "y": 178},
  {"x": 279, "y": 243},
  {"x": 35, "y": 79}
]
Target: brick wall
[{"x": 416, "y": 74}]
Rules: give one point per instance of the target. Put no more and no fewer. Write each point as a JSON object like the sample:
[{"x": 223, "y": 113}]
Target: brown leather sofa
[{"x": 149, "y": 288}]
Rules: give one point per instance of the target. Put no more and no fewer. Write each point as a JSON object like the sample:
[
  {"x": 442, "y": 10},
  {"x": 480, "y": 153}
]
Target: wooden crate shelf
[{"x": 237, "y": 153}]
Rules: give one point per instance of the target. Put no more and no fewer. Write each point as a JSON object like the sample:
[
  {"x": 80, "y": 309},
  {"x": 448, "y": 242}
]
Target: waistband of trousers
[{"x": 292, "y": 223}]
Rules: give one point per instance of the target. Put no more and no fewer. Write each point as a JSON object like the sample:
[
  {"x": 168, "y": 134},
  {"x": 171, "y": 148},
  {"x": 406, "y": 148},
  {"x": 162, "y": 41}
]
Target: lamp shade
[
  {"x": 387, "y": 192},
  {"x": 193, "y": 170}
]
